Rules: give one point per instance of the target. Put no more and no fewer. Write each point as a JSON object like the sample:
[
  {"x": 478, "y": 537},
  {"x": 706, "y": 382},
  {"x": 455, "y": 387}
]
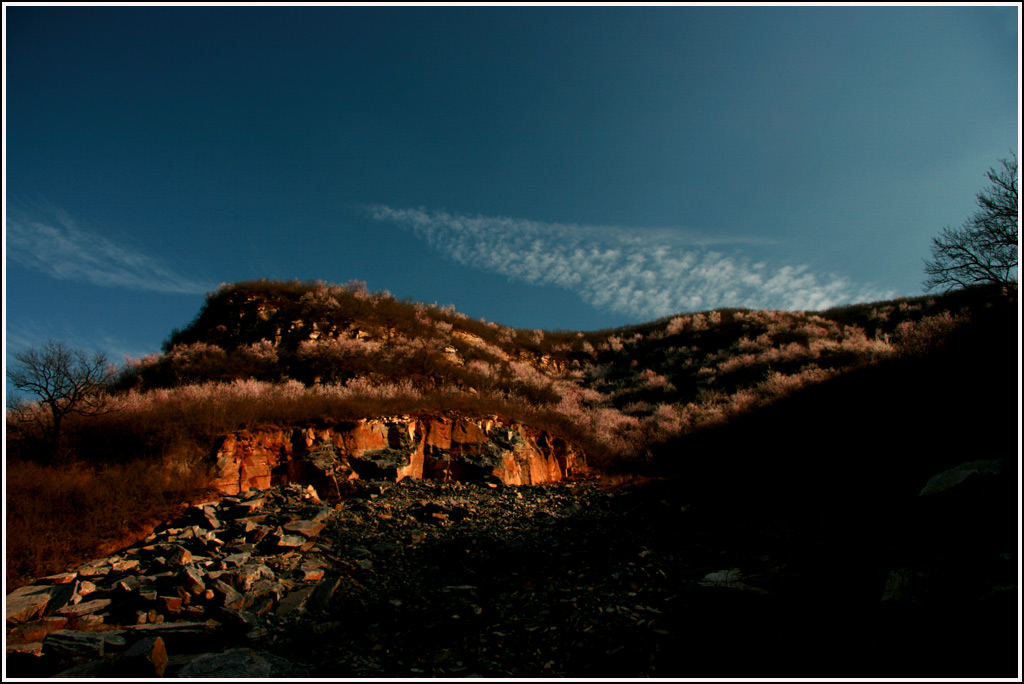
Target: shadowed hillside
[{"x": 842, "y": 480}]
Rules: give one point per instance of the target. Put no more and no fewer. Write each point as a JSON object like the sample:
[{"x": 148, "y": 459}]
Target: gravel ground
[
  {"x": 462, "y": 580},
  {"x": 587, "y": 580}
]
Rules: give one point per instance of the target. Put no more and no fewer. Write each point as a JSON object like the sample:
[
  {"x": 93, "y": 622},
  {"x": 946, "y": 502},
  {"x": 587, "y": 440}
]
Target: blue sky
[{"x": 542, "y": 167}]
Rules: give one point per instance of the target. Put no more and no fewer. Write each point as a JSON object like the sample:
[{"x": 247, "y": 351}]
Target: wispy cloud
[
  {"x": 25, "y": 335},
  {"x": 51, "y": 243},
  {"x": 647, "y": 274}
]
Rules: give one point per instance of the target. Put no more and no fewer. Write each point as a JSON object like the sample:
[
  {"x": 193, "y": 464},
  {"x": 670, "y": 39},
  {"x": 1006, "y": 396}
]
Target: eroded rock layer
[{"x": 446, "y": 448}]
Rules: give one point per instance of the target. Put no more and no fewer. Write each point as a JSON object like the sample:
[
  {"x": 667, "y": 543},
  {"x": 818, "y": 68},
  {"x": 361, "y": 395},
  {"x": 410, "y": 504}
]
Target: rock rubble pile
[
  {"x": 395, "y": 578},
  {"x": 225, "y": 569},
  {"x": 425, "y": 578}
]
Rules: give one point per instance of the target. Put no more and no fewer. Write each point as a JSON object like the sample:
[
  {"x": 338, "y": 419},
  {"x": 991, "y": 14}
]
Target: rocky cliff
[{"x": 446, "y": 448}]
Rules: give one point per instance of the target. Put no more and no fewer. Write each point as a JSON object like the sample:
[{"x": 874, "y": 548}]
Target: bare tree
[
  {"x": 65, "y": 381},
  {"x": 984, "y": 249}
]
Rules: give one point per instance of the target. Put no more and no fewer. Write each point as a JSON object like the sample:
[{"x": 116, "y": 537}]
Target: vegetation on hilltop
[
  {"x": 279, "y": 353},
  {"x": 617, "y": 392}
]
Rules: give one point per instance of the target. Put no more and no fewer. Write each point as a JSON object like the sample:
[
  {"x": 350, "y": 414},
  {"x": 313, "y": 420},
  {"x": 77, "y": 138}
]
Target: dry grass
[{"x": 59, "y": 517}]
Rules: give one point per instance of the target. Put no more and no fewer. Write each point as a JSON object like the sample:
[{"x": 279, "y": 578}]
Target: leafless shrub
[{"x": 63, "y": 383}]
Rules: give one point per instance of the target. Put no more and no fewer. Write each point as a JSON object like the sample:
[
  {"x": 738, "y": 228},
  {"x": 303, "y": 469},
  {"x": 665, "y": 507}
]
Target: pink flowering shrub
[
  {"x": 918, "y": 338},
  {"x": 196, "y": 362},
  {"x": 677, "y": 325},
  {"x": 334, "y": 358},
  {"x": 653, "y": 380}
]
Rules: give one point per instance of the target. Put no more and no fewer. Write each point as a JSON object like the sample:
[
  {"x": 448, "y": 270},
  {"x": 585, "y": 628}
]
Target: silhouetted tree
[
  {"x": 65, "y": 381},
  {"x": 984, "y": 249}
]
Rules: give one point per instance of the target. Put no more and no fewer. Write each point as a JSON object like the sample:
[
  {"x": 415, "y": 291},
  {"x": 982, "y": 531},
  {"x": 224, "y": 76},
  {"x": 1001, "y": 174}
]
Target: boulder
[
  {"x": 177, "y": 556},
  {"x": 146, "y": 658},
  {"x": 227, "y": 595},
  {"x": 949, "y": 479},
  {"x": 240, "y": 663},
  {"x": 320, "y": 599},
  {"x": 909, "y": 586},
  {"x": 191, "y": 579},
  {"x": 730, "y": 579}
]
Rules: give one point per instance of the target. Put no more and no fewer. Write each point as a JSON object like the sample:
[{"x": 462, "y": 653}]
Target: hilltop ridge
[
  {"x": 614, "y": 392},
  {"x": 316, "y": 354}
]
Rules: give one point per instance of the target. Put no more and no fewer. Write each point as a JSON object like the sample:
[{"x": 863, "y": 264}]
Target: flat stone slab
[
  {"x": 77, "y": 643},
  {"x": 307, "y": 528},
  {"x": 171, "y": 628},
  {"x": 29, "y": 632},
  {"x": 34, "y": 648},
  {"x": 25, "y": 604},
  {"x": 62, "y": 578},
  {"x": 124, "y": 565},
  {"x": 251, "y": 505},
  {"x": 235, "y": 559},
  {"x": 85, "y": 608},
  {"x": 291, "y": 541},
  {"x": 97, "y": 569}
]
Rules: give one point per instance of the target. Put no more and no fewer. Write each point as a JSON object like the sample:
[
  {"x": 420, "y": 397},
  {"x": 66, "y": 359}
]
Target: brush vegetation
[{"x": 281, "y": 354}]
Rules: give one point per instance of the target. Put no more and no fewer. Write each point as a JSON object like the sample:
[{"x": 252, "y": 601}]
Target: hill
[
  {"x": 841, "y": 479},
  {"x": 615, "y": 392}
]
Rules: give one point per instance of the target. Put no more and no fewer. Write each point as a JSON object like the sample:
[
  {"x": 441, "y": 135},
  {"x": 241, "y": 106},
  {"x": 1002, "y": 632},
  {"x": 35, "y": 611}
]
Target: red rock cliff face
[{"x": 442, "y": 448}]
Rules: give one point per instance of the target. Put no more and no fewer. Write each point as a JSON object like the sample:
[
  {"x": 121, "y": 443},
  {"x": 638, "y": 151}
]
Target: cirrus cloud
[
  {"x": 51, "y": 243},
  {"x": 649, "y": 274}
]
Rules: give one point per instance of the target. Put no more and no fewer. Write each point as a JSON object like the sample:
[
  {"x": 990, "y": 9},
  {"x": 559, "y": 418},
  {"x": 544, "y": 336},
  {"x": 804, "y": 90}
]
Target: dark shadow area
[{"x": 827, "y": 482}]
